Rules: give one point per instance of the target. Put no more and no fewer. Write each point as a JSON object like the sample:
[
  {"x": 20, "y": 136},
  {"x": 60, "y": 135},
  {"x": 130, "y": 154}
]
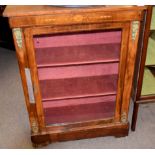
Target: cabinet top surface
[{"x": 33, "y": 10}]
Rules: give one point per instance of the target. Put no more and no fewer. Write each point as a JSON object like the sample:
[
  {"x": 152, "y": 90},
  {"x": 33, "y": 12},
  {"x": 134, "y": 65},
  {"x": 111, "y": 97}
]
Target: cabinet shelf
[
  {"x": 77, "y": 48},
  {"x": 77, "y": 71},
  {"x": 70, "y": 55},
  {"x": 77, "y": 39},
  {"x": 77, "y": 110},
  {"x": 76, "y": 81},
  {"x": 75, "y": 87}
]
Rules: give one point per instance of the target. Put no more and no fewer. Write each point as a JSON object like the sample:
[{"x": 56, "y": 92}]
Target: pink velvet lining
[
  {"x": 75, "y": 87},
  {"x": 77, "y": 54},
  {"x": 77, "y": 71},
  {"x": 77, "y": 110},
  {"x": 78, "y": 39},
  {"x": 81, "y": 91},
  {"x": 78, "y": 101}
]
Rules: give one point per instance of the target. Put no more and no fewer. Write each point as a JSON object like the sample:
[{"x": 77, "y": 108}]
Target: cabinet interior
[{"x": 78, "y": 75}]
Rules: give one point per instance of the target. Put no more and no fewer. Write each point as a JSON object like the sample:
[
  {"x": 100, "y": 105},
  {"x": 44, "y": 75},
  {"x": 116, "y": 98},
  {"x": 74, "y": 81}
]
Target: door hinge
[
  {"x": 29, "y": 85},
  {"x": 18, "y": 36},
  {"x": 135, "y": 27}
]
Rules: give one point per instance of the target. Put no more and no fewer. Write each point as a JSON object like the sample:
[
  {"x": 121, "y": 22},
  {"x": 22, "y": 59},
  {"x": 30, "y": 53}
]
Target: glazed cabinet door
[{"x": 80, "y": 73}]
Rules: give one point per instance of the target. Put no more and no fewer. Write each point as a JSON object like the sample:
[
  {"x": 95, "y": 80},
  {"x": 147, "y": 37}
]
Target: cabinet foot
[{"x": 40, "y": 140}]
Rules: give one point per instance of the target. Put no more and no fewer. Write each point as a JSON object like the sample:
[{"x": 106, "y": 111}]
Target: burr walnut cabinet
[{"x": 77, "y": 67}]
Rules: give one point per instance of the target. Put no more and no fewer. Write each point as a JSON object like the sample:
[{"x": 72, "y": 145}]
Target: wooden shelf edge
[
  {"x": 76, "y": 64},
  {"x": 78, "y": 97}
]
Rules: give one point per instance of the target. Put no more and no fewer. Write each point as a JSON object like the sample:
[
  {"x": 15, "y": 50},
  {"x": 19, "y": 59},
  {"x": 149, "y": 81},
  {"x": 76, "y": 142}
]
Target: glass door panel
[{"x": 78, "y": 75}]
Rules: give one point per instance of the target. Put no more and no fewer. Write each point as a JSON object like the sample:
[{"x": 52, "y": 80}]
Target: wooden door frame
[{"x": 124, "y": 62}]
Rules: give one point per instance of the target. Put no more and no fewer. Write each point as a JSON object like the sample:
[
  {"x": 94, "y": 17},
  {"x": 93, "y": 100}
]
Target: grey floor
[{"x": 14, "y": 125}]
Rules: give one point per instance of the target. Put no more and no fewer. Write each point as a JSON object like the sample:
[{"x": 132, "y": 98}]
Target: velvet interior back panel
[{"x": 78, "y": 75}]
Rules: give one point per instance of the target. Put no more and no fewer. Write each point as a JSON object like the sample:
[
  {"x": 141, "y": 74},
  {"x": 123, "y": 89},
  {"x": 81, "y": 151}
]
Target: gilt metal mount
[
  {"x": 34, "y": 126},
  {"x": 123, "y": 117},
  {"x": 18, "y": 36},
  {"x": 135, "y": 26}
]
